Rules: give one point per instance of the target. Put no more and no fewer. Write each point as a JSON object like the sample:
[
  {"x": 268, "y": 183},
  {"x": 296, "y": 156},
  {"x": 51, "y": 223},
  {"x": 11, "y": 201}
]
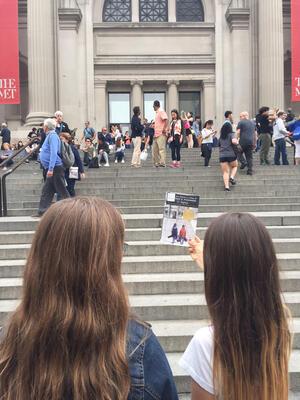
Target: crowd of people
[
  {"x": 236, "y": 144},
  {"x": 74, "y": 336}
]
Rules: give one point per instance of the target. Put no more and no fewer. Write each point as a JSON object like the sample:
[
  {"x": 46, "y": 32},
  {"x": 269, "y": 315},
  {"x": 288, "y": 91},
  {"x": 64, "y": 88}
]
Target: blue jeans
[{"x": 280, "y": 149}]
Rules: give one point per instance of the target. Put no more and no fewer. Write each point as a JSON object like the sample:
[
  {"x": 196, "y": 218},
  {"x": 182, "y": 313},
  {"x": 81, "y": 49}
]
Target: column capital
[
  {"x": 209, "y": 82},
  {"x": 136, "y": 82},
  {"x": 238, "y": 18},
  {"x": 100, "y": 83},
  {"x": 173, "y": 82},
  {"x": 69, "y": 18}
]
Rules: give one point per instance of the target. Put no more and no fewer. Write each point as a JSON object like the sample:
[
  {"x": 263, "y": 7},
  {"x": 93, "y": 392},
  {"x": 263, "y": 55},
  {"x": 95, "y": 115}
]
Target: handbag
[
  {"x": 73, "y": 173},
  {"x": 144, "y": 155},
  {"x": 237, "y": 148}
]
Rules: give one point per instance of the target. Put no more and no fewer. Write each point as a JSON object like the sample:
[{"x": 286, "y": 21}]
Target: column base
[{"x": 36, "y": 118}]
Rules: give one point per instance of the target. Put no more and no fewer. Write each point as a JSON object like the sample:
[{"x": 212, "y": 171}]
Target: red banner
[
  {"x": 295, "y": 23},
  {"x": 9, "y": 51}
]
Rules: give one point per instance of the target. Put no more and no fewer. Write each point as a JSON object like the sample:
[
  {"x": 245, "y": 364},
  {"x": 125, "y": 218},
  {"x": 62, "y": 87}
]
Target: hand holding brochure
[{"x": 180, "y": 218}]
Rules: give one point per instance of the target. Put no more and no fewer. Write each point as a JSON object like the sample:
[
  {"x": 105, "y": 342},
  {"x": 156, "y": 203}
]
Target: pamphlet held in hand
[{"x": 180, "y": 218}]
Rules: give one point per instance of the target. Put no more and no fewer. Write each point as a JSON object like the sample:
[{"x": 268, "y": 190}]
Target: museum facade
[{"x": 96, "y": 59}]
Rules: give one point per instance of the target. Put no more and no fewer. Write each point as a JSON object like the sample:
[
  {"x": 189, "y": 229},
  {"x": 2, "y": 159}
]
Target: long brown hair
[
  {"x": 251, "y": 336},
  {"x": 67, "y": 339}
]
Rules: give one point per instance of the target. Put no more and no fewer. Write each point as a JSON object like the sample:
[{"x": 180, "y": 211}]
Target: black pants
[
  {"x": 52, "y": 185},
  {"x": 248, "y": 151},
  {"x": 175, "y": 148},
  {"x": 206, "y": 149}
]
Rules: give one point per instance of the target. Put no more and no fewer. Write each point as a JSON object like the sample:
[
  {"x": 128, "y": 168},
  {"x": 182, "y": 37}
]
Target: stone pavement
[{"x": 164, "y": 285}]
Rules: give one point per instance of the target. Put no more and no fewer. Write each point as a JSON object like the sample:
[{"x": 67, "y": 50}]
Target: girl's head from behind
[
  {"x": 119, "y": 142},
  {"x": 74, "y": 311},
  {"x": 244, "y": 299}
]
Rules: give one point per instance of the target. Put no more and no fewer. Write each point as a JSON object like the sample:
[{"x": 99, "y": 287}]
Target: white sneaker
[
  {"x": 106, "y": 165},
  {"x": 116, "y": 161},
  {"x": 123, "y": 162}
]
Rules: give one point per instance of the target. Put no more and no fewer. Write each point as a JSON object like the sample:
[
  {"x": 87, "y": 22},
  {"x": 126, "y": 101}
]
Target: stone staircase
[{"x": 164, "y": 285}]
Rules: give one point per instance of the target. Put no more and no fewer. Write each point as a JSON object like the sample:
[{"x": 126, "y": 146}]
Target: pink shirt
[{"x": 161, "y": 119}]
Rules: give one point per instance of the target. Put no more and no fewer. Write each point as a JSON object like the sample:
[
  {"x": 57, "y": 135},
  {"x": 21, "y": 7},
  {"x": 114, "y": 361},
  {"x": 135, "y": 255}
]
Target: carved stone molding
[
  {"x": 136, "y": 82},
  {"x": 173, "y": 82},
  {"x": 100, "y": 83},
  {"x": 69, "y": 18},
  {"x": 238, "y": 18}
]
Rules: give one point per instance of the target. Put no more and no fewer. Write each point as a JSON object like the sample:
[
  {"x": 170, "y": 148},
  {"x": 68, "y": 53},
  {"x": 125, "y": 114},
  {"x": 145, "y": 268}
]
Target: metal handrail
[
  {"x": 5, "y": 173},
  {"x": 14, "y": 155}
]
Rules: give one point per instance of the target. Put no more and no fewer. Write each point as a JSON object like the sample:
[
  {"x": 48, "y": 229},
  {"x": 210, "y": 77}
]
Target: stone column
[
  {"x": 137, "y": 95},
  {"x": 69, "y": 67},
  {"x": 101, "y": 110},
  {"x": 209, "y": 100},
  {"x": 173, "y": 98},
  {"x": 135, "y": 11},
  {"x": 238, "y": 21},
  {"x": 172, "y": 10},
  {"x": 41, "y": 62},
  {"x": 271, "y": 54}
]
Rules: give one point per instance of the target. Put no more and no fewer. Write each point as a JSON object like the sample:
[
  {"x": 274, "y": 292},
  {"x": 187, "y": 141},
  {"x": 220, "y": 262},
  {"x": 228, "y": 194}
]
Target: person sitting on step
[
  {"x": 119, "y": 151},
  {"x": 103, "y": 152}
]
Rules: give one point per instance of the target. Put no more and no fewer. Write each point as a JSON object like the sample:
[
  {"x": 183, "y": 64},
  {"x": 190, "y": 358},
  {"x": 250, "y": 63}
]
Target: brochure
[{"x": 180, "y": 218}]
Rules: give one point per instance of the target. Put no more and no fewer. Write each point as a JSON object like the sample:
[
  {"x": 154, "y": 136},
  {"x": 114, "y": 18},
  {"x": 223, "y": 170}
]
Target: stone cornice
[
  {"x": 69, "y": 18},
  {"x": 238, "y": 18},
  {"x": 206, "y": 26}
]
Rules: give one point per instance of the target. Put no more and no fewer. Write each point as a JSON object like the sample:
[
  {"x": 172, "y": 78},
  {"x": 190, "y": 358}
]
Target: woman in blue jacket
[{"x": 294, "y": 127}]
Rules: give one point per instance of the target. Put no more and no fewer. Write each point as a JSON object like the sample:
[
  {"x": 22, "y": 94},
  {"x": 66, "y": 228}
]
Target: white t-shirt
[
  {"x": 207, "y": 136},
  {"x": 297, "y": 153},
  {"x": 197, "y": 360}
]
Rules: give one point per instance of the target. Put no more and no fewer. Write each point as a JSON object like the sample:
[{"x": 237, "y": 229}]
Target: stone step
[
  {"x": 144, "y": 248},
  {"x": 177, "y": 264},
  {"x": 183, "y": 382},
  {"x": 151, "y": 265},
  {"x": 147, "y": 234},
  {"x": 166, "y": 307},
  {"x": 221, "y": 202},
  {"x": 154, "y": 284},
  {"x": 207, "y": 209},
  {"x": 174, "y": 336},
  {"x": 137, "y": 181},
  {"x": 275, "y": 218}
]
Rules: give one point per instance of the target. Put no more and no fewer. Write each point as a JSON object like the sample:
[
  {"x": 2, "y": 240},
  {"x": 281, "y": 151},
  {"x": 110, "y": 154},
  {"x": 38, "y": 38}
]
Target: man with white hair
[
  {"x": 53, "y": 165},
  {"x": 247, "y": 139},
  {"x": 5, "y": 133},
  {"x": 61, "y": 126}
]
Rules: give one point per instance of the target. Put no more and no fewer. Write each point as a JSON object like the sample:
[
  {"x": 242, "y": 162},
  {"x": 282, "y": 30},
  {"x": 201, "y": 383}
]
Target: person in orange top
[
  {"x": 182, "y": 235},
  {"x": 160, "y": 136}
]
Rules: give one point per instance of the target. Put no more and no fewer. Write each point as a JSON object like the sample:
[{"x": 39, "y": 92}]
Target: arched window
[
  {"x": 117, "y": 11},
  {"x": 153, "y": 10},
  {"x": 189, "y": 11}
]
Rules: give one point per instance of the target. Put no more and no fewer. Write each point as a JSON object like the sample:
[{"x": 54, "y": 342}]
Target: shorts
[{"x": 227, "y": 159}]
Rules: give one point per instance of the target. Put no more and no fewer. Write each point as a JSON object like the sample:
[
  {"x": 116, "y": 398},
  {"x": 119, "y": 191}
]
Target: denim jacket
[{"x": 151, "y": 375}]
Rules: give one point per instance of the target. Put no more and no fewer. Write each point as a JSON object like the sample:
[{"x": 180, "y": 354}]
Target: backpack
[
  {"x": 67, "y": 155},
  {"x": 94, "y": 163}
]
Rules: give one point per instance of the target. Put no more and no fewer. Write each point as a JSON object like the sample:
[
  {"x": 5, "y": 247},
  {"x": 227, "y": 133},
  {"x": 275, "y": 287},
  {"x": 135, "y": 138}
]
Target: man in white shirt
[{"x": 279, "y": 134}]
